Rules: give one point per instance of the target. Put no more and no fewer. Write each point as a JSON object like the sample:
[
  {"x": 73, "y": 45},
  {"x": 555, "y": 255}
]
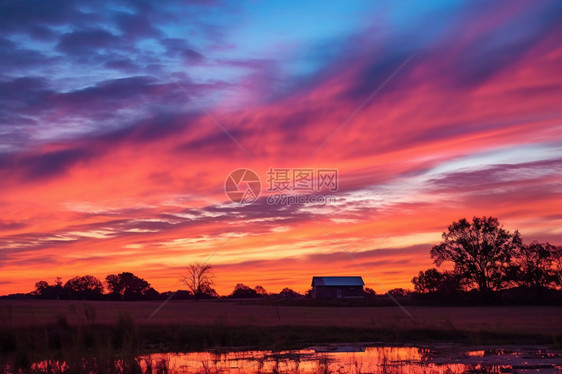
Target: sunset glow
[{"x": 437, "y": 112}]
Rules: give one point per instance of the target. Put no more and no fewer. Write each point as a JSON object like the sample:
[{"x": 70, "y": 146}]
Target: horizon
[{"x": 121, "y": 131}]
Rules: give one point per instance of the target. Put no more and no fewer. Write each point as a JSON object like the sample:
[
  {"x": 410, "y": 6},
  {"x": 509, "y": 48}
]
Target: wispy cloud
[{"x": 105, "y": 165}]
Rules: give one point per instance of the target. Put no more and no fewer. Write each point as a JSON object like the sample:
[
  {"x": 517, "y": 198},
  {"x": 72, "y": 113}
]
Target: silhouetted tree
[
  {"x": 41, "y": 289},
  {"x": 114, "y": 285},
  {"x": 451, "y": 283},
  {"x": 369, "y": 292},
  {"x": 199, "y": 280},
  {"x": 58, "y": 288},
  {"x": 85, "y": 287},
  {"x": 398, "y": 292},
  {"x": 260, "y": 291},
  {"x": 481, "y": 251},
  {"x": 128, "y": 286},
  {"x": 557, "y": 264},
  {"x": 535, "y": 265},
  {"x": 243, "y": 291},
  {"x": 288, "y": 293},
  {"x": 44, "y": 290},
  {"x": 210, "y": 293},
  {"x": 428, "y": 281}
]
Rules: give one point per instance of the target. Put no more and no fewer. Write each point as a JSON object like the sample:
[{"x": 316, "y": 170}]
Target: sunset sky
[{"x": 114, "y": 154}]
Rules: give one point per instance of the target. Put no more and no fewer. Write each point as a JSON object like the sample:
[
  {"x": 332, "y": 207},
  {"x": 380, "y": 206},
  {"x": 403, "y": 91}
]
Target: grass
[
  {"x": 538, "y": 320},
  {"x": 32, "y": 330}
]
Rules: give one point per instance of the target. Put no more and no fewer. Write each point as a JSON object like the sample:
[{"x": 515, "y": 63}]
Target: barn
[{"x": 337, "y": 287}]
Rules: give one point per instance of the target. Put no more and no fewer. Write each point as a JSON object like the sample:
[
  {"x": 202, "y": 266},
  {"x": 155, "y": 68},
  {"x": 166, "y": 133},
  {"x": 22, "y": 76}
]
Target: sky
[{"x": 121, "y": 121}]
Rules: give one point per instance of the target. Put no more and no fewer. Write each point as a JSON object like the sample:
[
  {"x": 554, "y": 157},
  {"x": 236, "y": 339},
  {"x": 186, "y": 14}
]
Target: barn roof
[{"x": 337, "y": 281}]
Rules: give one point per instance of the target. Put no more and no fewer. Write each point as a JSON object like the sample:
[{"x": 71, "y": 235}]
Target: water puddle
[{"x": 339, "y": 358}]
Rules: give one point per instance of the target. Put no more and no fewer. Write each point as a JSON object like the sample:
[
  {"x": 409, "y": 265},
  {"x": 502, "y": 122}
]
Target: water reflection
[
  {"x": 321, "y": 359},
  {"x": 354, "y": 359}
]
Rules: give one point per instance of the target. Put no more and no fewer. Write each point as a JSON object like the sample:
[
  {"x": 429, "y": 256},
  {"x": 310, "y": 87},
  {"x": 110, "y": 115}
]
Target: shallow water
[{"x": 341, "y": 358}]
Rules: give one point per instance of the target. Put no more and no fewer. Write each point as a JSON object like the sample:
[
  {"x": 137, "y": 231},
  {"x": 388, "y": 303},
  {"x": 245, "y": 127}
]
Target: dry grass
[
  {"x": 538, "y": 320},
  {"x": 90, "y": 334}
]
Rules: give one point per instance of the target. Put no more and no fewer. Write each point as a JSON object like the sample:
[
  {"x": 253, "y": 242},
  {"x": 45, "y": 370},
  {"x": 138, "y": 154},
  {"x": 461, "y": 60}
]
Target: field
[
  {"x": 504, "y": 320},
  {"x": 32, "y": 330}
]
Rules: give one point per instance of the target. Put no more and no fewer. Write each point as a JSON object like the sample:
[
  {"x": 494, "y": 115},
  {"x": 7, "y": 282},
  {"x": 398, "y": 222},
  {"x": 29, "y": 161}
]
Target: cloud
[
  {"x": 41, "y": 166},
  {"x": 5, "y": 226},
  {"x": 179, "y": 47},
  {"x": 135, "y": 26},
  {"x": 87, "y": 41},
  {"x": 106, "y": 162},
  {"x": 17, "y": 16},
  {"x": 54, "y": 163}
]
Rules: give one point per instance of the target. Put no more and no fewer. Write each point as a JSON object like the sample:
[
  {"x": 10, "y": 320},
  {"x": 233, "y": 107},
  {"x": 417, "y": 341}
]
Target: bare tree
[{"x": 199, "y": 279}]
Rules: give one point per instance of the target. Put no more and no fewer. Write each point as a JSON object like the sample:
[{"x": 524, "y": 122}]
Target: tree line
[
  {"x": 127, "y": 286},
  {"x": 123, "y": 286},
  {"x": 486, "y": 258},
  {"x": 482, "y": 259}
]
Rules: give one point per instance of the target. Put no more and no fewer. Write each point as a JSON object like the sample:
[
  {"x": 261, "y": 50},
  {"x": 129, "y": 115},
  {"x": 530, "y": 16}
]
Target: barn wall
[{"x": 331, "y": 292}]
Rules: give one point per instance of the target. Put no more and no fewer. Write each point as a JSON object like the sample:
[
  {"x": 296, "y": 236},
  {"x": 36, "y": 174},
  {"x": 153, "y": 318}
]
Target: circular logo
[{"x": 242, "y": 186}]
